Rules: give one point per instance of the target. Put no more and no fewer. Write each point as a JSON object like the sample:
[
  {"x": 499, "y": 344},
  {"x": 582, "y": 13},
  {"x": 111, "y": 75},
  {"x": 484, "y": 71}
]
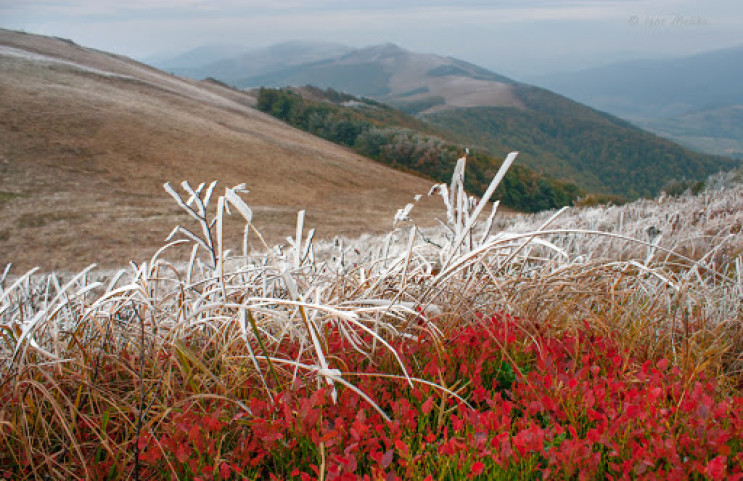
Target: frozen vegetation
[{"x": 664, "y": 275}]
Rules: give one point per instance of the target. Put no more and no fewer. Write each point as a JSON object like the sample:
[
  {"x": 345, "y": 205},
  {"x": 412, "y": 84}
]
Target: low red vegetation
[{"x": 539, "y": 406}]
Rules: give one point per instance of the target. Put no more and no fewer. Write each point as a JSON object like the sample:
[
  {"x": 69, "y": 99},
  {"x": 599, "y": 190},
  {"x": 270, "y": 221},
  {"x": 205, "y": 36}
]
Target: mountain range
[
  {"x": 87, "y": 139},
  {"x": 695, "y": 100},
  {"x": 493, "y": 113}
]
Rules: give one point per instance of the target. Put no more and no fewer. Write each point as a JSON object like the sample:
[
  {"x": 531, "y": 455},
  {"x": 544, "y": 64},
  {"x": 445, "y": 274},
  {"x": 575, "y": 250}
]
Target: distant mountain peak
[{"x": 378, "y": 52}]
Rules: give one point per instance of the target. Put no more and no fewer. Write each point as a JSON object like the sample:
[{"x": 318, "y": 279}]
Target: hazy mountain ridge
[
  {"x": 693, "y": 100},
  {"x": 229, "y": 64},
  {"x": 657, "y": 88}
]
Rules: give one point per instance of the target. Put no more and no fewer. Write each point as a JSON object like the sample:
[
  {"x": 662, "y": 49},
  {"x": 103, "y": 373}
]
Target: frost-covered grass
[{"x": 94, "y": 369}]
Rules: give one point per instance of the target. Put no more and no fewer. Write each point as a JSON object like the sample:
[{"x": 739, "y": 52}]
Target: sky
[{"x": 519, "y": 38}]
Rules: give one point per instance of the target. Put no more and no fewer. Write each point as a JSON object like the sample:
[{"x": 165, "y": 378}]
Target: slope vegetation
[
  {"x": 400, "y": 140},
  {"x": 569, "y": 141}
]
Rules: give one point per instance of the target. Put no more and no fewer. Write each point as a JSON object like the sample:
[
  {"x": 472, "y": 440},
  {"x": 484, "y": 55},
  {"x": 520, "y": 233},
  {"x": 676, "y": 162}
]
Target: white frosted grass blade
[
  {"x": 196, "y": 194},
  {"x": 456, "y": 179},
  {"x": 655, "y": 273},
  {"x": 27, "y": 329},
  {"x": 115, "y": 279},
  {"x": 376, "y": 336},
  {"x": 402, "y": 215},
  {"x": 70, "y": 283},
  {"x": 87, "y": 288},
  {"x": 191, "y": 262},
  {"x": 652, "y": 249},
  {"x": 172, "y": 233},
  {"x": 413, "y": 379},
  {"x": 5, "y": 274},
  {"x": 193, "y": 194},
  {"x": 489, "y": 224},
  {"x": 291, "y": 286},
  {"x": 549, "y": 245},
  {"x": 386, "y": 248},
  {"x": 166, "y": 247},
  {"x": 180, "y": 202},
  {"x": 193, "y": 237},
  {"x": 220, "y": 248},
  {"x": 209, "y": 192},
  {"x": 17, "y": 283},
  {"x": 408, "y": 254},
  {"x": 306, "y": 250},
  {"x": 257, "y": 302},
  {"x": 115, "y": 295},
  {"x": 239, "y": 204},
  {"x": 194, "y": 198},
  {"x": 536, "y": 233},
  {"x": 244, "y": 331},
  {"x": 297, "y": 242},
  {"x": 485, "y": 198},
  {"x": 320, "y": 354},
  {"x": 443, "y": 191}
]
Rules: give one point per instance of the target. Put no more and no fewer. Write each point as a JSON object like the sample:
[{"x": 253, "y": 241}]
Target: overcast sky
[{"x": 520, "y": 38}]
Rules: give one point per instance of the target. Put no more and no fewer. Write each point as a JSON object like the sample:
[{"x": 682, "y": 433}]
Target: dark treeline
[{"x": 399, "y": 140}]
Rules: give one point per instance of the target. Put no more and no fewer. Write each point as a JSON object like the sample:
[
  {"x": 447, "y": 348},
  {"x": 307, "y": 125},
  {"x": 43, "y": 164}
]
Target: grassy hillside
[
  {"x": 569, "y": 141},
  {"x": 404, "y": 142},
  {"x": 87, "y": 140}
]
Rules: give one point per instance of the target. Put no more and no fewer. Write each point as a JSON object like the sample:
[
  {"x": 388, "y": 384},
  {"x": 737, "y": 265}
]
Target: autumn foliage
[{"x": 520, "y": 402}]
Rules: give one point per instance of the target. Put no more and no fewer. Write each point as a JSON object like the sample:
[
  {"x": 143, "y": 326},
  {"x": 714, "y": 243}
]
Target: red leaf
[
  {"x": 477, "y": 468},
  {"x": 387, "y": 458},
  {"x": 427, "y": 406},
  {"x": 180, "y": 453},
  {"x": 142, "y": 442},
  {"x": 402, "y": 447},
  {"x": 717, "y": 468},
  {"x": 225, "y": 471}
]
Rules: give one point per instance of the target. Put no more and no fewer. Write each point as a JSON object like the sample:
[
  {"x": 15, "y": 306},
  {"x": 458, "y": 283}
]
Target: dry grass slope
[{"x": 88, "y": 138}]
